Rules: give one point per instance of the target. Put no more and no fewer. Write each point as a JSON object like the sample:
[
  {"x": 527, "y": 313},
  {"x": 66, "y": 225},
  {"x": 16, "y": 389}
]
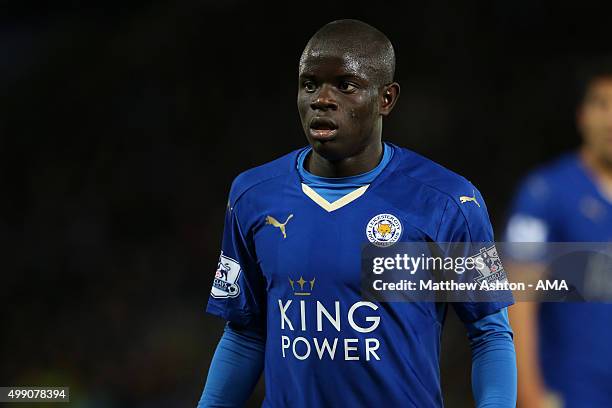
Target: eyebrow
[
  {"x": 348, "y": 75},
  {"x": 353, "y": 76}
]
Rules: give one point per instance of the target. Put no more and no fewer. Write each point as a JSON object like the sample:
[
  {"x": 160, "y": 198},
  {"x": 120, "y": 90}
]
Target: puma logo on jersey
[
  {"x": 272, "y": 221},
  {"x": 465, "y": 199}
]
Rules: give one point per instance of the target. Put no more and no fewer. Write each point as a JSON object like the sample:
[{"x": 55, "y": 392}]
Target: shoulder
[
  {"x": 270, "y": 172},
  {"x": 561, "y": 166},
  {"x": 433, "y": 177},
  {"x": 549, "y": 179},
  {"x": 459, "y": 200},
  {"x": 540, "y": 201}
]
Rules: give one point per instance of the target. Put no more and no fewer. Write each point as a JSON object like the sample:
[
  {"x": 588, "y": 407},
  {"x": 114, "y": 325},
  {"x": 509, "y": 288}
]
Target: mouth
[{"x": 323, "y": 128}]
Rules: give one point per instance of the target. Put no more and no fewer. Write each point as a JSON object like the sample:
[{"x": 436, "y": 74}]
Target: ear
[{"x": 390, "y": 94}]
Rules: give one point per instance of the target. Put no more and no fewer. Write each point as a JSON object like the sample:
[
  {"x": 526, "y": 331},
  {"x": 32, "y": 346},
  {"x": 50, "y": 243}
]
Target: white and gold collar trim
[{"x": 339, "y": 203}]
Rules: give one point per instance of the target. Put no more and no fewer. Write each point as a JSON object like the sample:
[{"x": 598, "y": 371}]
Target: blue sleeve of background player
[
  {"x": 235, "y": 368},
  {"x": 493, "y": 361},
  {"x": 533, "y": 214}
]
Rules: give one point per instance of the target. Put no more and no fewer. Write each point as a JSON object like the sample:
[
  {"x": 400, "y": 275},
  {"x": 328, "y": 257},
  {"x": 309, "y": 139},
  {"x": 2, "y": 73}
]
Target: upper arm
[
  {"x": 532, "y": 214},
  {"x": 238, "y": 292},
  {"x": 466, "y": 232}
]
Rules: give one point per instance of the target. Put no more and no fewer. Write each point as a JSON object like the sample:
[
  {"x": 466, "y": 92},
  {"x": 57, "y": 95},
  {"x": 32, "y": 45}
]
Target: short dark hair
[
  {"x": 589, "y": 71},
  {"x": 361, "y": 39}
]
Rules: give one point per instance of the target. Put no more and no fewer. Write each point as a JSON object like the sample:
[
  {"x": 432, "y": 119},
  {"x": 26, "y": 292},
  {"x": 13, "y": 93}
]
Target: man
[
  {"x": 564, "y": 355},
  {"x": 288, "y": 281}
]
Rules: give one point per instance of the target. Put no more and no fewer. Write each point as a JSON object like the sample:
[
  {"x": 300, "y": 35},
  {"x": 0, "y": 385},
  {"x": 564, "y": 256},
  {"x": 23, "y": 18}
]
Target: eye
[
  {"x": 309, "y": 86},
  {"x": 346, "y": 86}
]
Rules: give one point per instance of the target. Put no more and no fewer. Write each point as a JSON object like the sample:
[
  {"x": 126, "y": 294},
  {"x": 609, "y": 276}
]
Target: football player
[
  {"x": 289, "y": 277},
  {"x": 563, "y": 349}
]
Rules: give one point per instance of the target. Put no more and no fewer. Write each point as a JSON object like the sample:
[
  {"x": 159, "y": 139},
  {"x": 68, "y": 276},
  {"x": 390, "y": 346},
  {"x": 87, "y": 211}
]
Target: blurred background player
[{"x": 563, "y": 349}]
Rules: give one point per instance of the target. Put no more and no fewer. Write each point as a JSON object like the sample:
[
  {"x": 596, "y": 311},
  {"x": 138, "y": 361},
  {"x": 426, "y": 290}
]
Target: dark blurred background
[{"x": 122, "y": 125}]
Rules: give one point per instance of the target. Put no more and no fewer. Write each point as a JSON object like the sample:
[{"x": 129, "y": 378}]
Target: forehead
[
  {"x": 322, "y": 60},
  {"x": 601, "y": 87}
]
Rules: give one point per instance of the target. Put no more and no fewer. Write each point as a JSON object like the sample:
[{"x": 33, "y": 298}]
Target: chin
[
  {"x": 607, "y": 159},
  {"x": 329, "y": 149}
]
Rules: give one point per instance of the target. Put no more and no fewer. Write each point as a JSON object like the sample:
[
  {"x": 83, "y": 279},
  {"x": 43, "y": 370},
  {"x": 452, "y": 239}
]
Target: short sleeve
[
  {"x": 238, "y": 290},
  {"x": 532, "y": 214},
  {"x": 466, "y": 232}
]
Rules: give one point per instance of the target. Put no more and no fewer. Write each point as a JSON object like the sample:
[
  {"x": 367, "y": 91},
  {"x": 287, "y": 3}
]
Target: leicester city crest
[{"x": 384, "y": 230}]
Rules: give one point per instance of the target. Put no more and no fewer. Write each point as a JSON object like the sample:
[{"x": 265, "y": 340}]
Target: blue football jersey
[
  {"x": 292, "y": 261},
  {"x": 560, "y": 203}
]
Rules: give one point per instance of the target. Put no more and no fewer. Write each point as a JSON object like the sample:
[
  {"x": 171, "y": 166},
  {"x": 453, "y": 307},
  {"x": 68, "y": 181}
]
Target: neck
[
  {"x": 601, "y": 169},
  {"x": 359, "y": 163}
]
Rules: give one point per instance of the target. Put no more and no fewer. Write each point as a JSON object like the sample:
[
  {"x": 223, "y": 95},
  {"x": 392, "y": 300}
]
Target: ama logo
[{"x": 225, "y": 284}]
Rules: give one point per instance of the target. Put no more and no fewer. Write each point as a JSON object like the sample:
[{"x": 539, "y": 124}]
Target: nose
[{"x": 324, "y": 100}]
